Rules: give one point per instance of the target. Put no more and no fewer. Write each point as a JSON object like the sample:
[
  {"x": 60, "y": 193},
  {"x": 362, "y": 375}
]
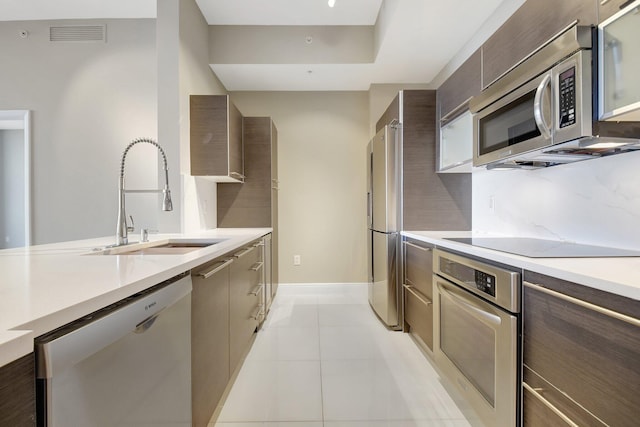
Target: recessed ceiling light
[{"x": 332, "y": 3}]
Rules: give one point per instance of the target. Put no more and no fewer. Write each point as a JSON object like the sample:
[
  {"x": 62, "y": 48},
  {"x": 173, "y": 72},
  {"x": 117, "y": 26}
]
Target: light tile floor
[{"x": 323, "y": 359}]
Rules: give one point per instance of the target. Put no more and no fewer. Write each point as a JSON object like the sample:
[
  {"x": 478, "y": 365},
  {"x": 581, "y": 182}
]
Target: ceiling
[{"x": 410, "y": 41}]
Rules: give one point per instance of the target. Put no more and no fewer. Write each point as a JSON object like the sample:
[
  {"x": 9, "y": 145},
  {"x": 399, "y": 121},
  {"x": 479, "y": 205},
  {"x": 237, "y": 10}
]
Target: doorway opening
[{"x": 15, "y": 182}]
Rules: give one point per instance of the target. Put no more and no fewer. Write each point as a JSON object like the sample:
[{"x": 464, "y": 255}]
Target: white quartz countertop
[
  {"x": 616, "y": 275},
  {"x": 44, "y": 287}
]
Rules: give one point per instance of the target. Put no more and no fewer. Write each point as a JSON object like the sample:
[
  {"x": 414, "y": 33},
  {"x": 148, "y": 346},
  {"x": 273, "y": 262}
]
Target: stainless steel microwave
[{"x": 541, "y": 113}]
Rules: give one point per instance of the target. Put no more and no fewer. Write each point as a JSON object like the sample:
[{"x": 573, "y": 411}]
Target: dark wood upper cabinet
[
  {"x": 216, "y": 138},
  {"x": 531, "y": 26},
  {"x": 250, "y": 204},
  {"x": 608, "y": 8},
  {"x": 581, "y": 354},
  {"x": 464, "y": 83},
  {"x": 18, "y": 392}
]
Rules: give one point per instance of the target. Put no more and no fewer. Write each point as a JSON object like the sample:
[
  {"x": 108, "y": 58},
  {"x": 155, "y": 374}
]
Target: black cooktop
[{"x": 541, "y": 248}]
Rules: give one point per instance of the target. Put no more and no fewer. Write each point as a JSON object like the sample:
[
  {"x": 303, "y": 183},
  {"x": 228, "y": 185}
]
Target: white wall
[
  {"x": 322, "y": 138},
  {"x": 12, "y": 196},
  {"x": 184, "y": 70},
  {"x": 594, "y": 202},
  {"x": 88, "y": 101}
]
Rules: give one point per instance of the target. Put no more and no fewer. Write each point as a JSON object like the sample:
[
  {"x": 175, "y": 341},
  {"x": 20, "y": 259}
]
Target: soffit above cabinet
[{"x": 353, "y": 45}]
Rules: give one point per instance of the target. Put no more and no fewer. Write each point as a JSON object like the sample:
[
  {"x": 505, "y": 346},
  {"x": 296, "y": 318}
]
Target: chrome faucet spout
[{"x": 122, "y": 228}]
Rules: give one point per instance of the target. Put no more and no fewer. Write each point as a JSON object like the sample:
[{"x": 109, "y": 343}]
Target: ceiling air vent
[{"x": 78, "y": 33}]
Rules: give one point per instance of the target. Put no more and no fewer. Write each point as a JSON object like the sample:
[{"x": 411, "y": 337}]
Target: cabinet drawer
[
  {"x": 559, "y": 409},
  {"x": 418, "y": 313},
  {"x": 245, "y": 292},
  {"x": 537, "y": 414},
  {"x": 588, "y": 352},
  {"x": 418, "y": 267}
]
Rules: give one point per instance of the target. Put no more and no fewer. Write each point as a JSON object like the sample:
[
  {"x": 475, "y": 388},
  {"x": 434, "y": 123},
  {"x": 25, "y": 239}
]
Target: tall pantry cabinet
[{"x": 255, "y": 202}]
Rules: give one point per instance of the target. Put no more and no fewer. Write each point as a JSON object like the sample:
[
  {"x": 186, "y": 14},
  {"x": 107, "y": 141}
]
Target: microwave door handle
[{"x": 537, "y": 107}]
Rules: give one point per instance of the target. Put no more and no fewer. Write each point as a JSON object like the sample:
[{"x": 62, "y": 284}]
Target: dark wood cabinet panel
[
  {"x": 418, "y": 266},
  {"x": 255, "y": 202},
  {"x": 536, "y": 414},
  {"x": 209, "y": 340},
  {"x": 249, "y": 204},
  {"x": 431, "y": 201},
  {"x": 418, "y": 290},
  {"x": 236, "y": 160},
  {"x": 275, "y": 188},
  {"x": 610, "y": 8},
  {"x": 18, "y": 392},
  {"x": 589, "y": 355},
  {"x": 215, "y": 137},
  {"x": 463, "y": 84},
  {"x": 244, "y": 299},
  {"x": 531, "y": 26},
  {"x": 418, "y": 314}
]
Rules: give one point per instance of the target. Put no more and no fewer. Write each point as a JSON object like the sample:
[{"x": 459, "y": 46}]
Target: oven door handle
[
  {"x": 468, "y": 305},
  {"x": 538, "y": 115}
]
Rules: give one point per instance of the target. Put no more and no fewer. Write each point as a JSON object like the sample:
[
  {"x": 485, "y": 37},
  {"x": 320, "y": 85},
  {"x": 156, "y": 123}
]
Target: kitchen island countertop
[
  {"x": 618, "y": 275},
  {"x": 46, "y": 286}
]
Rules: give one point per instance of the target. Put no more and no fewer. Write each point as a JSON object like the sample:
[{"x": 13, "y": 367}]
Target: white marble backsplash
[{"x": 594, "y": 202}]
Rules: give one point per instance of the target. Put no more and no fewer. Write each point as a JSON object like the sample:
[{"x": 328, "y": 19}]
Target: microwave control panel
[{"x": 567, "y": 97}]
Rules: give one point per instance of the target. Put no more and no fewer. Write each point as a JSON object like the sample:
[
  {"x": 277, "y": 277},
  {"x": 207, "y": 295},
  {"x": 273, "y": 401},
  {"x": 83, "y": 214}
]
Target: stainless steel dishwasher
[{"x": 128, "y": 364}]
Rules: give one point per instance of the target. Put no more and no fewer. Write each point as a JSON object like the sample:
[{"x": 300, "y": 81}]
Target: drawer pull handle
[
  {"x": 603, "y": 2},
  {"x": 243, "y": 253},
  {"x": 256, "y": 290},
  {"x": 413, "y": 245},
  {"x": 548, "y": 404},
  {"x": 257, "y": 315},
  {"x": 415, "y": 294},
  {"x": 610, "y": 313},
  {"x": 257, "y": 266},
  {"x": 216, "y": 269},
  {"x": 237, "y": 175}
]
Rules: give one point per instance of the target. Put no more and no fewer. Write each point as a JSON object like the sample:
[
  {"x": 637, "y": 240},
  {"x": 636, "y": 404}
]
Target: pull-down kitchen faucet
[{"x": 167, "y": 205}]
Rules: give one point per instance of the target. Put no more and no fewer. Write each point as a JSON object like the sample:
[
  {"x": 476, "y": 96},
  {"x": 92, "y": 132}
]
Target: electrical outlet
[{"x": 296, "y": 260}]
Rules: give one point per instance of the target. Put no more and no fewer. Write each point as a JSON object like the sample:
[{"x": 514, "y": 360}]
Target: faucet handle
[
  {"x": 144, "y": 234},
  {"x": 130, "y": 228}
]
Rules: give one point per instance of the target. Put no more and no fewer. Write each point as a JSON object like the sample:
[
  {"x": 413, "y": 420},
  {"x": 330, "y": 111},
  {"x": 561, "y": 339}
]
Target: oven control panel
[
  {"x": 493, "y": 283},
  {"x": 486, "y": 283}
]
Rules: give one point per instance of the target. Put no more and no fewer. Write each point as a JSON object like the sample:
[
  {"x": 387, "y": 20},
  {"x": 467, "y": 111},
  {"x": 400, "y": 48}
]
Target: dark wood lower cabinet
[
  {"x": 418, "y": 290},
  {"x": 209, "y": 339},
  {"x": 244, "y": 300},
  {"x": 581, "y": 353},
  {"x": 537, "y": 414},
  {"x": 18, "y": 392}
]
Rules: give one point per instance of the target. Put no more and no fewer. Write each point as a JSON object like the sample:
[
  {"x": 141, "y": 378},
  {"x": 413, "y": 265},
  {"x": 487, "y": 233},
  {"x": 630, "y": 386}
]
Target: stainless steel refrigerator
[{"x": 383, "y": 225}]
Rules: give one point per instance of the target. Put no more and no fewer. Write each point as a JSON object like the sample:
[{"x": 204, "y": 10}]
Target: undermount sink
[{"x": 162, "y": 247}]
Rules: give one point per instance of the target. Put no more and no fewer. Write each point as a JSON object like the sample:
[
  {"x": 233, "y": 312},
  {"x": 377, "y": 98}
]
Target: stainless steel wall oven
[{"x": 477, "y": 338}]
